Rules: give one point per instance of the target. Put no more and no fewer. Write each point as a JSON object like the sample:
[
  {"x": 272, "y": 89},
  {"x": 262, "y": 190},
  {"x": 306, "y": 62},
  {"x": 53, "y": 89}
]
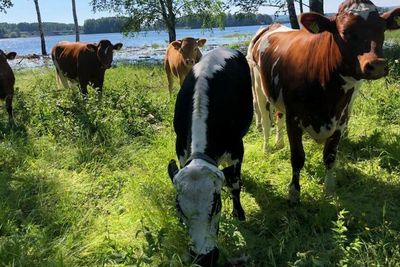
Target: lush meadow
[{"x": 85, "y": 183}]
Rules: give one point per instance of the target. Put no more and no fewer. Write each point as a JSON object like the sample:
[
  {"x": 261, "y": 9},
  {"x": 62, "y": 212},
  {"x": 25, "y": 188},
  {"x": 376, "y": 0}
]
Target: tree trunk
[
  {"x": 75, "y": 21},
  {"x": 317, "y": 6},
  {"x": 171, "y": 21},
  {"x": 292, "y": 14},
  {"x": 301, "y": 6},
  {"x": 43, "y": 42}
]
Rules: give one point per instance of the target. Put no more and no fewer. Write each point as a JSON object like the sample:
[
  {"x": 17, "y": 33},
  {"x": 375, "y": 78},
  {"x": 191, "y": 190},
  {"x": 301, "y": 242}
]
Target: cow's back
[
  {"x": 67, "y": 56},
  {"x": 216, "y": 101}
]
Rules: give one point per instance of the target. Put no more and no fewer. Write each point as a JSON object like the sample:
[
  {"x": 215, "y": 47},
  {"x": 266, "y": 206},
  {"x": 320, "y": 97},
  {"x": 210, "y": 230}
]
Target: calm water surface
[{"x": 145, "y": 46}]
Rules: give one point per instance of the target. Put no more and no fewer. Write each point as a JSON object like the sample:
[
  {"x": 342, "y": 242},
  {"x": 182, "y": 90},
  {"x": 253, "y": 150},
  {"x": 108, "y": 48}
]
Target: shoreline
[{"x": 128, "y": 55}]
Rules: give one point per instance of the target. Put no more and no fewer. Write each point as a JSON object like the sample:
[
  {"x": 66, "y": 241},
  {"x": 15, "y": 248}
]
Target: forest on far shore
[{"x": 116, "y": 24}]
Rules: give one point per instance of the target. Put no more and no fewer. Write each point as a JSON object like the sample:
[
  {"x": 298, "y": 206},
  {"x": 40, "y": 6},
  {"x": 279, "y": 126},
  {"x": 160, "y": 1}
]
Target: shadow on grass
[
  {"x": 28, "y": 221},
  {"x": 373, "y": 146},
  {"x": 305, "y": 233}
]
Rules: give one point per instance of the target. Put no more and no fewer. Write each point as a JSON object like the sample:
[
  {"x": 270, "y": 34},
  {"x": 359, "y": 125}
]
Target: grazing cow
[
  {"x": 7, "y": 81},
  {"x": 83, "y": 63},
  {"x": 212, "y": 114},
  {"x": 313, "y": 75},
  {"x": 260, "y": 101},
  {"x": 180, "y": 57}
]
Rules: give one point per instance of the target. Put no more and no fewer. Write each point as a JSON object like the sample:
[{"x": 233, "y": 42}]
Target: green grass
[{"x": 85, "y": 184}]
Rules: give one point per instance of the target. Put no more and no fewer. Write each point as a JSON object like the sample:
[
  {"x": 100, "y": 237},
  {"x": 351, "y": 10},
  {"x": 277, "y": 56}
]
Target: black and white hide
[{"x": 213, "y": 112}]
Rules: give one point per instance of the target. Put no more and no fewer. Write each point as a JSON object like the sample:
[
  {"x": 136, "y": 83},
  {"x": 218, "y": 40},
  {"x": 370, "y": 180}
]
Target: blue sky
[{"x": 61, "y": 11}]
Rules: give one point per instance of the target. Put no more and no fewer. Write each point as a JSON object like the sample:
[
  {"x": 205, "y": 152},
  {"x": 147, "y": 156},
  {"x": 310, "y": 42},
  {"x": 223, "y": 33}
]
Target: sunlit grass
[{"x": 85, "y": 184}]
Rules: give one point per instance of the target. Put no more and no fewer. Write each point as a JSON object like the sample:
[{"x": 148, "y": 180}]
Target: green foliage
[
  {"x": 85, "y": 183},
  {"x": 145, "y": 15},
  {"x": 104, "y": 25},
  {"x": 4, "y": 4},
  {"x": 12, "y": 30}
]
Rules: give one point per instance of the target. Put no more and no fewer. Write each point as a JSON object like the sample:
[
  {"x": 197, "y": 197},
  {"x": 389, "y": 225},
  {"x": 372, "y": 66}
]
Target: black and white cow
[{"x": 213, "y": 112}]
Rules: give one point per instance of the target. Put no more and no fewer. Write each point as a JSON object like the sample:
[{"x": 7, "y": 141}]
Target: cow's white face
[{"x": 198, "y": 201}]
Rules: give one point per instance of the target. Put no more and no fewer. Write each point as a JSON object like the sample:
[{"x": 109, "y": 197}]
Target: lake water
[{"x": 144, "y": 46}]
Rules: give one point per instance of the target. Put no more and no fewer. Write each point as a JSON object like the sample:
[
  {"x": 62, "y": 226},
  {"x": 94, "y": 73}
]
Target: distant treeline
[
  {"x": 116, "y": 24},
  {"x": 23, "y": 29}
]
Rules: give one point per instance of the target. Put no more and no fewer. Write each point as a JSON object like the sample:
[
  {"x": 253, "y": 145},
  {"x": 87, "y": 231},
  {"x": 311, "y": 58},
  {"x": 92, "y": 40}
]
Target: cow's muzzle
[
  {"x": 375, "y": 69},
  {"x": 190, "y": 62},
  {"x": 208, "y": 260}
]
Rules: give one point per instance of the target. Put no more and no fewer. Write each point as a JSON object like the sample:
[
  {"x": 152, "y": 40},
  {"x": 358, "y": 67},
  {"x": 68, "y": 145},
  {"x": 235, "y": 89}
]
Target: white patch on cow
[
  {"x": 324, "y": 132},
  {"x": 106, "y": 50},
  {"x": 184, "y": 158},
  {"x": 204, "y": 70},
  {"x": 361, "y": 9},
  {"x": 279, "y": 103},
  {"x": 276, "y": 77},
  {"x": 350, "y": 83},
  {"x": 196, "y": 185},
  {"x": 226, "y": 160},
  {"x": 264, "y": 42}
]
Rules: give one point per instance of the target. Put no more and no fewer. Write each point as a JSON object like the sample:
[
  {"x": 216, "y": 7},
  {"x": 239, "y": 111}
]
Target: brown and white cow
[
  {"x": 83, "y": 63},
  {"x": 7, "y": 81},
  {"x": 312, "y": 75},
  {"x": 180, "y": 57},
  {"x": 262, "y": 108}
]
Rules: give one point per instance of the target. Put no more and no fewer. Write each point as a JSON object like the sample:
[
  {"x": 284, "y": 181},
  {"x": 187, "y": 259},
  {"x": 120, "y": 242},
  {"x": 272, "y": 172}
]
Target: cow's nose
[
  {"x": 376, "y": 69},
  {"x": 189, "y": 61},
  {"x": 208, "y": 260}
]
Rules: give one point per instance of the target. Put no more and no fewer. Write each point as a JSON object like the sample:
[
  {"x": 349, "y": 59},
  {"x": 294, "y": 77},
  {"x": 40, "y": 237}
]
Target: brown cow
[
  {"x": 7, "y": 81},
  {"x": 83, "y": 63},
  {"x": 313, "y": 75},
  {"x": 180, "y": 57}
]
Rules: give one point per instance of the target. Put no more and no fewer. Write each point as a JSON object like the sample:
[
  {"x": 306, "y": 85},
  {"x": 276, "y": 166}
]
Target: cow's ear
[
  {"x": 118, "y": 46},
  {"x": 92, "y": 47},
  {"x": 392, "y": 19},
  {"x": 11, "y": 55},
  {"x": 177, "y": 44},
  {"x": 201, "y": 42},
  {"x": 316, "y": 23},
  {"x": 172, "y": 169}
]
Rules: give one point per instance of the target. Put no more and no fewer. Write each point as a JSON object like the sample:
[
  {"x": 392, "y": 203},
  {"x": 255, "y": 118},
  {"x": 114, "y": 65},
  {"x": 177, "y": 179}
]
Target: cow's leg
[
  {"x": 83, "y": 84},
  {"x": 257, "y": 111},
  {"x": 279, "y": 139},
  {"x": 62, "y": 81},
  {"x": 98, "y": 84},
  {"x": 265, "y": 109},
  {"x": 9, "y": 109},
  {"x": 169, "y": 77},
  {"x": 234, "y": 182},
  {"x": 330, "y": 152},
  {"x": 297, "y": 158}
]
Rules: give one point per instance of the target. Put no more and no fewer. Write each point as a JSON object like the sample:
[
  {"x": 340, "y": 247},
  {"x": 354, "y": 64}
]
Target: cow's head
[
  {"x": 9, "y": 56},
  {"x": 198, "y": 201},
  {"x": 104, "y": 50},
  {"x": 189, "y": 48},
  {"x": 359, "y": 30}
]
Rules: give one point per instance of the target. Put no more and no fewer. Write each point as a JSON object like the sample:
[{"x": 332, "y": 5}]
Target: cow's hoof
[
  {"x": 266, "y": 149},
  {"x": 239, "y": 214},
  {"x": 329, "y": 186},
  {"x": 294, "y": 196},
  {"x": 279, "y": 144}
]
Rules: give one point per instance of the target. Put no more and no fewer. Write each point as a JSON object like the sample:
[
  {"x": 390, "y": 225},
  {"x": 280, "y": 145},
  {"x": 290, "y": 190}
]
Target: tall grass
[{"x": 85, "y": 183}]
